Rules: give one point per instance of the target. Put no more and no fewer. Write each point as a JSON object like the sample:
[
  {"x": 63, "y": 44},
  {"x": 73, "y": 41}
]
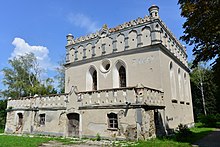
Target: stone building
[{"x": 127, "y": 82}]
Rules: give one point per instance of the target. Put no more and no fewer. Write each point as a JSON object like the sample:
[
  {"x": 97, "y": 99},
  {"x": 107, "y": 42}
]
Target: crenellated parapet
[
  {"x": 134, "y": 34},
  {"x": 138, "y": 96},
  {"x": 38, "y": 102}
]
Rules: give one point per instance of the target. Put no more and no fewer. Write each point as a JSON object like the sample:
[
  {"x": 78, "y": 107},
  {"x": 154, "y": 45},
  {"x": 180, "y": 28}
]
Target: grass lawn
[
  {"x": 19, "y": 141},
  {"x": 198, "y": 132}
]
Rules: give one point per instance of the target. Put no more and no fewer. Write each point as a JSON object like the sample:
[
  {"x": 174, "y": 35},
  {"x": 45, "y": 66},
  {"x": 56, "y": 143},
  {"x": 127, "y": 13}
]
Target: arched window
[
  {"x": 91, "y": 79},
  {"x": 180, "y": 85},
  {"x": 172, "y": 82},
  {"x": 119, "y": 74},
  {"x": 122, "y": 76},
  {"x": 94, "y": 80},
  {"x": 186, "y": 88}
]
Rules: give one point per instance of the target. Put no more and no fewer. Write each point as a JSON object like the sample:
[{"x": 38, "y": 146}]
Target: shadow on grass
[
  {"x": 193, "y": 137},
  {"x": 185, "y": 140}
]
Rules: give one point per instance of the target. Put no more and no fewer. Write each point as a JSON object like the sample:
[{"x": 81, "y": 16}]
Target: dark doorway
[
  {"x": 20, "y": 122},
  {"x": 73, "y": 124},
  {"x": 20, "y": 119},
  {"x": 160, "y": 130}
]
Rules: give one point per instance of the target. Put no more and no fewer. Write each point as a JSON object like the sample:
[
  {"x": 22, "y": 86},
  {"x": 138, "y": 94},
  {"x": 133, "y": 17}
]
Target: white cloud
[
  {"x": 40, "y": 52},
  {"x": 83, "y": 21}
]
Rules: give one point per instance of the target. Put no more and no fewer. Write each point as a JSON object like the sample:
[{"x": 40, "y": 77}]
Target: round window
[{"x": 105, "y": 66}]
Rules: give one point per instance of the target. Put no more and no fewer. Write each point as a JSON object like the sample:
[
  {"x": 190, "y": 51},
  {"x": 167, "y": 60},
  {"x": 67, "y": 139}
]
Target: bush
[
  {"x": 209, "y": 120},
  {"x": 183, "y": 133},
  {"x": 98, "y": 137}
]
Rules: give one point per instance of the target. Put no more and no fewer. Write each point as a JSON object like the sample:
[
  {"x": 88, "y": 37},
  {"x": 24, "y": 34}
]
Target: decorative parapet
[
  {"x": 138, "y": 96},
  {"x": 126, "y": 25},
  {"x": 38, "y": 102},
  {"x": 125, "y": 97},
  {"x": 134, "y": 34}
]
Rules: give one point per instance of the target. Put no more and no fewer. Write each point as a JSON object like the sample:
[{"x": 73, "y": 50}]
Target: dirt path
[
  {"x": 211, "y": 140},
  {"x": 60, "y": 144}
]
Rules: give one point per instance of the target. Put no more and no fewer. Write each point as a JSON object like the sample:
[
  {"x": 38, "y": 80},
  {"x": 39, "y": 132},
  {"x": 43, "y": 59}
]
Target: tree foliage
[
  {"x": 202, "y": 28},
  {"x": 61, "y": 75},
  {"x": 23, "y": 78},
  {"x": 205, "y": 76},
  {"x": 216, "y": 71},
  {"x": 2, "y": 113}
]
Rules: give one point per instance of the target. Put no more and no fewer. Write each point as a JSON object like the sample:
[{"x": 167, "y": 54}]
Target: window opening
[
  {"x": 94, "y": 80},
  {"x": 42, "y": 119},
  {"x": 112, "y": 121},
  {"x": 107, "y": 66},
  {"x": 122, "y": 76}
]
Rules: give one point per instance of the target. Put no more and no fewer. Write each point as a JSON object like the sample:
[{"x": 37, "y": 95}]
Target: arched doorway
[{"x": 73, "y": 124}]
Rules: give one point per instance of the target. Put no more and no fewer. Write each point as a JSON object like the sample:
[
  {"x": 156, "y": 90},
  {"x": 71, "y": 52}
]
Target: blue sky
[{"x": 41, "y": 26}]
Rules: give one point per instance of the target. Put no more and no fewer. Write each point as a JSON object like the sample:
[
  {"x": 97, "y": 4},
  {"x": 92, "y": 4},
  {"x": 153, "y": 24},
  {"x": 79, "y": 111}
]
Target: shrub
[
  {"x": 98, "y": 137},
  {"x": 209, "y": 120},
  {"x": 183, "y": 133}
]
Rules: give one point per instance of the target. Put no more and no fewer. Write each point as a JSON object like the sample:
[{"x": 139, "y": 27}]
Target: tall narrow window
[
  {"x": 94, "y": 80},
  {"x": 122, "y": 76},
  {"x": 172, "y": 82},
  {"x": 112, "y": 121},
  {"x": 119, "y": 74},
  {"x": 180, "y": 85},
  {"x": 186, "y": 88},
  {"x": 42, "y": 119}
]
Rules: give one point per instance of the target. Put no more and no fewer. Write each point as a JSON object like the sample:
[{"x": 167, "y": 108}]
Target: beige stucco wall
[
  {"x": 180, "y": 111},
  {"x": 140, "y": 68},
  {"x": 150, "y": 67},
  {"x": 96, "y": 122},
  {"x": 55, "y": 122}
]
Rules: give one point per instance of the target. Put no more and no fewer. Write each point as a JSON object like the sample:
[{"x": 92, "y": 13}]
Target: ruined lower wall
[
  {"x": 132, "y": 124},
  {"x": 55, "y": 122}
]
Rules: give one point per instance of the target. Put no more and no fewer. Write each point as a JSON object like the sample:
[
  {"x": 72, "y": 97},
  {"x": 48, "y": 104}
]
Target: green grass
[
  {"x": 162, "y": 143},
  {"x": 19, "y": 141},
  {"x": 198, "y": 132},
  {"x": 27, "y": 141}
]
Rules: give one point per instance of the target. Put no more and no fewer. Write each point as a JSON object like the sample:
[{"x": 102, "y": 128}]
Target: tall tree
[
  {"x": 2, "y": 113},
  {"x": 23, "y": 78},
  {"x": 202, "y": 28},
  {"x": 216, "y": 71},
  {"x": 202, "y": 77},
  {"x": 61, "y": 75}
]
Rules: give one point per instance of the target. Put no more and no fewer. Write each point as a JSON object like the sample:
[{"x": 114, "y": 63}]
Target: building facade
[{"x": 127, "y": 82}]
